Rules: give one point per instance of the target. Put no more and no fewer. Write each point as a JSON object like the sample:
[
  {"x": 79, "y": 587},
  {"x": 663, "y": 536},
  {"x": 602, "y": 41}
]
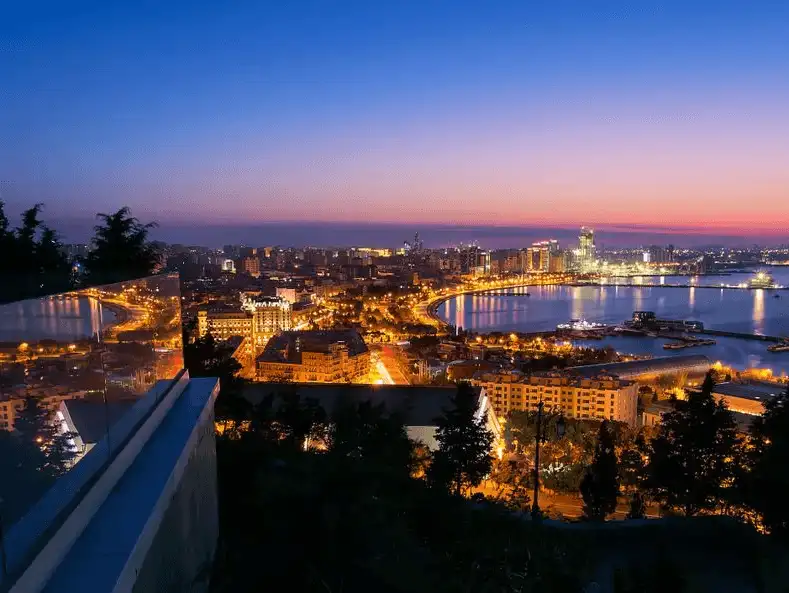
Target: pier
[{"x": 743, "y": 336}]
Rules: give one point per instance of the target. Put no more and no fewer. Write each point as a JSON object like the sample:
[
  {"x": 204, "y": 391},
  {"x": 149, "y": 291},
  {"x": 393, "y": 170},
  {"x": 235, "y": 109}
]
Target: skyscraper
[{"x": 586, "y": 249}]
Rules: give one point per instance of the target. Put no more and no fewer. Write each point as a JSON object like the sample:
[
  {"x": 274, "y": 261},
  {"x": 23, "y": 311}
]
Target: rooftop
[
  {"x": 664, "y": 364},
  {"x": 420, "y": 405},
  {"x": 759, "y": 391},
  {"x": 288, "y": 346}
]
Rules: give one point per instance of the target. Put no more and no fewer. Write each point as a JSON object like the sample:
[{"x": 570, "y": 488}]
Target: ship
[
  {"x": 581, "y": 325},
  {"x": 647, "y": 320},
  {"x": 762, "y": 280}
]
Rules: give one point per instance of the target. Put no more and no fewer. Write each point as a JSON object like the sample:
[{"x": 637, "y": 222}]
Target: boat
[
  {"x": 762, "y": 280},
  {"x": 675, "y": 346},
  {"x": 688, "y": 344},
  {"x": 778, "y": 348},
  {"x": 776, "y": 296},
  {"x": 581, "y": 325},
  {"x": 528, "y": 294}
]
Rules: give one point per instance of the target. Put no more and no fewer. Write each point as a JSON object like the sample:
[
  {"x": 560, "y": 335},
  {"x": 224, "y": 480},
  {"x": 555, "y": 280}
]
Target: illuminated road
[
  {"x": 386, "y": 378},
  {"x": 388, "y": 369}
]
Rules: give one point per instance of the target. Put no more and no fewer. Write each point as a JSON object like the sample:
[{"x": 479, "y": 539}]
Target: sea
[
  {"x": 763, "y": 311},
  {"x": 62, "y": 318}
]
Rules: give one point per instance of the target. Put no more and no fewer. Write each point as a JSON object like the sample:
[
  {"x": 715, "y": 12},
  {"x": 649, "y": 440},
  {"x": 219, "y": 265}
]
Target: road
[{"x": 388, "y": 367}]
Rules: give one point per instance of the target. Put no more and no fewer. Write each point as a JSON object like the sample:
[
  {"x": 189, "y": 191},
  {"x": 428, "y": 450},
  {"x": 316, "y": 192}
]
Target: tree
[
  {"x": 632, "y": 465},
  {"x": 514, "y": 483},
  {"x": 121, "y": 250},
  {"x": 205, "y": 357},
  {"x": 600, "y": 484},
  {"x": 637, "y": 507},
  {"x": 22, "y": 481},
  {"x": 464, "y": 443},
  {"x": 34, "y": 263},
  {"x": 767, "y": 485},
  {"x": 35, "y": 425},
  {"x": 692, "y": 459},
  {"x": 301, "y": 422},
  {"x": 368, "y": 436}
]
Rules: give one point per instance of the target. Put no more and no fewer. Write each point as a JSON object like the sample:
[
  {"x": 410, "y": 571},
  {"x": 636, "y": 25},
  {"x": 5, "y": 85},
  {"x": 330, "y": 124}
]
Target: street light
[{"x": 541, "y": 438}]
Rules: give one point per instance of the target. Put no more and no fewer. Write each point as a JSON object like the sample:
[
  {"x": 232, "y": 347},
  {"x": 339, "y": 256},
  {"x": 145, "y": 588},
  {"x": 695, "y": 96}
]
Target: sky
[{"x": 649, "y": 116}]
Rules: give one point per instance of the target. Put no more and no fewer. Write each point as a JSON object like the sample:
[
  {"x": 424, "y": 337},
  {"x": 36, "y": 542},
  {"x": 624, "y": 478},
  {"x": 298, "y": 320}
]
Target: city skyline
[
  {"x": 435, "y": 114},
  {"x": 339, "y": 234}
]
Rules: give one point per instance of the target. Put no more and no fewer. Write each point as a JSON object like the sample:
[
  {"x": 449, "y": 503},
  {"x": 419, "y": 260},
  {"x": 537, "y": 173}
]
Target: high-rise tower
[{"x": 586, "y": 249}]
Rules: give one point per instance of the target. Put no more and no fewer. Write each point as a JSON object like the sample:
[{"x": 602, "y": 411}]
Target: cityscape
[{"x": 355, "y": 297}]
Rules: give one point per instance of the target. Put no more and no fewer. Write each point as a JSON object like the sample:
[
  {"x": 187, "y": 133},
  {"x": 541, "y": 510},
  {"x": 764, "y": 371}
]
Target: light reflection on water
[
  {"x": 748, "y": 311},
  {"x": 61, "y": 318}
]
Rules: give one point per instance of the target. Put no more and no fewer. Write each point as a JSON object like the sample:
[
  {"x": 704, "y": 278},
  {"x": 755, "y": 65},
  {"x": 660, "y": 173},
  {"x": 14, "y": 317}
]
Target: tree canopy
[
  {"x": 600, "y": 484},
  {"x": 121, "y": 250},
  {"x": 33, "y": 264},
  {"x": 692, "y": 460},
  {"x": 464, "y": 443},
  {"x": 767, "y": 485}
]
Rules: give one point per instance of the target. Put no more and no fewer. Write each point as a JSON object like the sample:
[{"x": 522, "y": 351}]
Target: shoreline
[{"x": 431, "y": 308}]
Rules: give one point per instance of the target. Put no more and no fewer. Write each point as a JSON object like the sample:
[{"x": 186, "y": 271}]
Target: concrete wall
[{"x": 182, "y": 553}]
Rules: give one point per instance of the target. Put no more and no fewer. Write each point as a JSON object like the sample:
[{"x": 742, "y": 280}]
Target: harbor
[{"x": 742, "y": 328}]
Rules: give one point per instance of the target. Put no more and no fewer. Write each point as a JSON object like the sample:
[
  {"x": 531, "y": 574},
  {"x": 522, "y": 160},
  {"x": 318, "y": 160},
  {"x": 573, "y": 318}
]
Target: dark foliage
[
  {"x": 33, "y": 263},
  {"x": 767, "y": 485},
  {"x": 637, "y": 507},
  {"x": 351, "y": 519},
  {"x": 600, "y": 484},
  {"x": 121, "y": 250},
  {"x": 31, "y": 459},
  {"x": 463, "y": 457},
  {"x": 692, "y": 461}
]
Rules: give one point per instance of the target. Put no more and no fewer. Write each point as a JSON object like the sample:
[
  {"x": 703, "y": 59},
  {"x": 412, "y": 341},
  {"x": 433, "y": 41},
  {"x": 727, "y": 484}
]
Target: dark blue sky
[{"x": 492, "y": 113}]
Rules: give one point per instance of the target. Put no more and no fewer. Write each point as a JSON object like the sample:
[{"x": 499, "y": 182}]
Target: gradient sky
[{"x": 552, "y": 112}]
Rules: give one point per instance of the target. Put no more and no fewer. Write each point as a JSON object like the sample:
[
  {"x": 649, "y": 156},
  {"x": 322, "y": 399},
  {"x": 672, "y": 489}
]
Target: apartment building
[
  {"x": 336, "y": 356},
  {"x": 601, "y": 397}
]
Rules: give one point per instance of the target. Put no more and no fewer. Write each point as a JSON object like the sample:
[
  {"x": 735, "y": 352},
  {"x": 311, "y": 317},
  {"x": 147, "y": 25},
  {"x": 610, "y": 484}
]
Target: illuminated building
[
  {"x": 558, "y": 262},
  {"x": 223, "y": 323},
  {"x": 540, "y": 255},
  {"x": 372, "y": 251},
  {"x": 585, "y": 255},
  {"x": 289, "y": 294},
  {"x": 251, "y": 265},
  {"x": 602, "y": 397},
  {"x": 483, "y": 263},
  {"x": 270, "y": 315},
  {"x": 335, "y": 356},
  {"x": 747, "y": 398},
  {"x": 744, "y": 400},
  {"x": 259, "y": 318},
  {"x": 228, "y": 265},
  {"x": 469, "y": 259}
]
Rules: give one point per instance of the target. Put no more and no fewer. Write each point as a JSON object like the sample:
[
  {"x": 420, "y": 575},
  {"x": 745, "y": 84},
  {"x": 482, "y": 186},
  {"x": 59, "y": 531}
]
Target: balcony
[{"x": 105, "y": 442}]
